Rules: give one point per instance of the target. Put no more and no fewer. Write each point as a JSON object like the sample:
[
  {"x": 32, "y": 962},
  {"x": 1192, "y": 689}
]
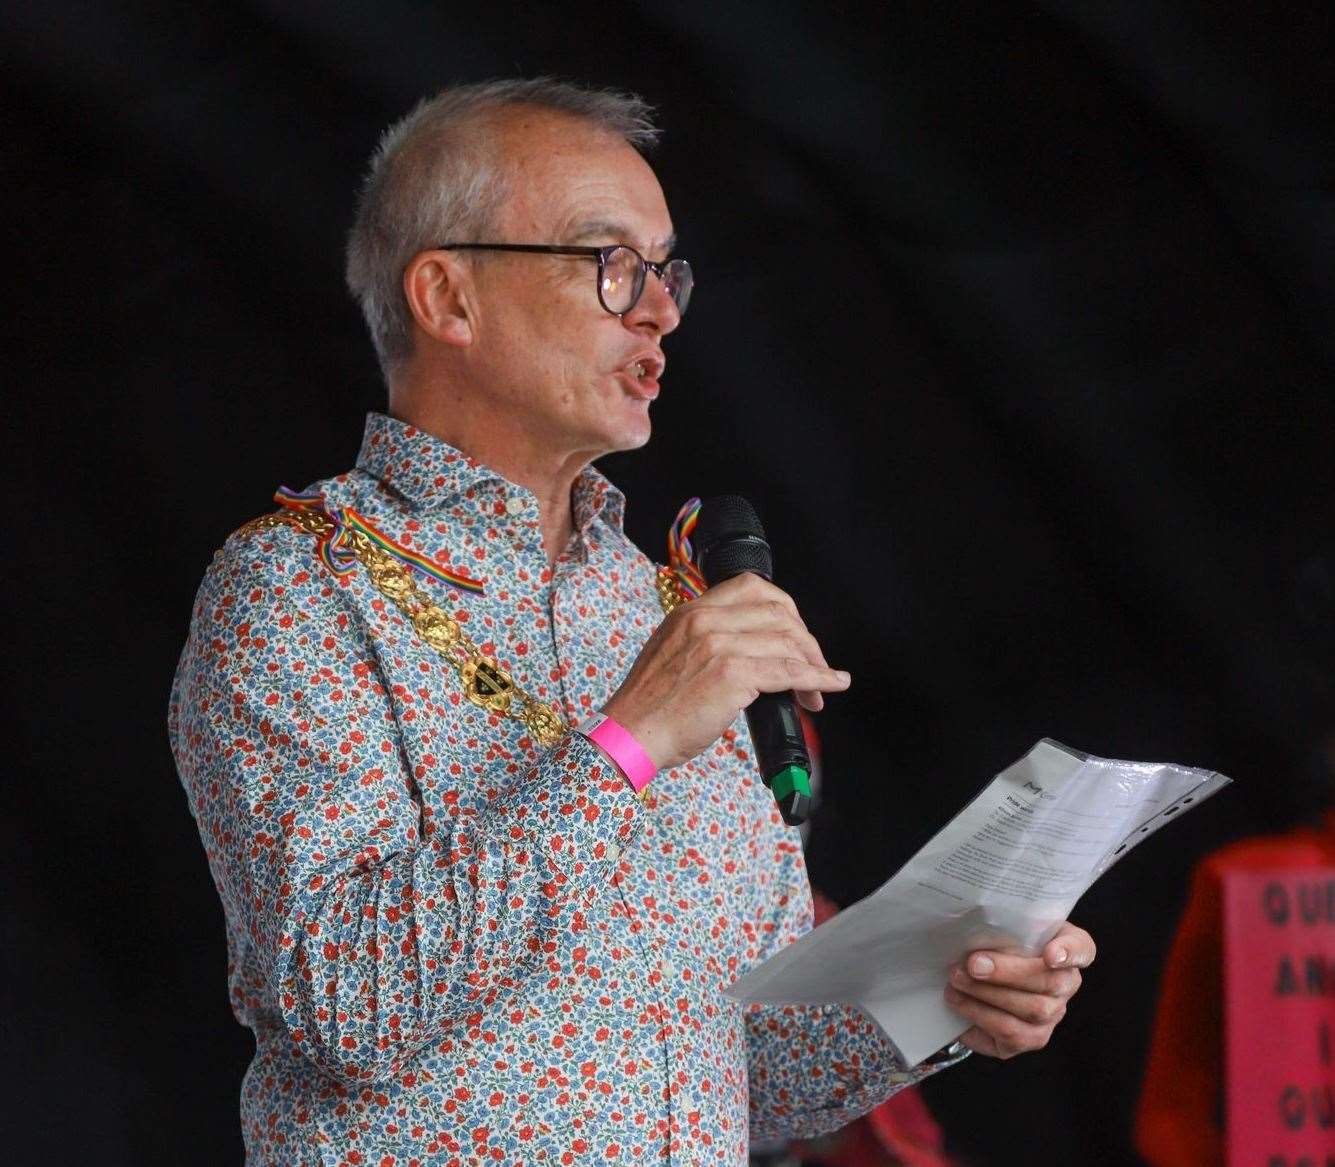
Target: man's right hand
[{"x": 710, "y": 659}]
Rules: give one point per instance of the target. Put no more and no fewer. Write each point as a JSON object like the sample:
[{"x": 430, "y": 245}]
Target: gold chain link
[
  {"x": 670, "y": 595},
  {"x": 485, "y": 683}
]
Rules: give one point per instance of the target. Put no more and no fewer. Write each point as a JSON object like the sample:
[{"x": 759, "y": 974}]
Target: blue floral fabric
[{"x": 452, "y": 944}]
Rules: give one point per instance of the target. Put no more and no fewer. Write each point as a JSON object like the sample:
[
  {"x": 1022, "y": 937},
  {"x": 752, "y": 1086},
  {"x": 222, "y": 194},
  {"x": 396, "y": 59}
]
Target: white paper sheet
[{"x": 1003, "y": 874}]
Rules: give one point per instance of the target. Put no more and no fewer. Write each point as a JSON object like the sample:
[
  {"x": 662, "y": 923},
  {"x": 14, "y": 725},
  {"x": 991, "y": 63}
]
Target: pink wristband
[{"x": 617, "y": 743}]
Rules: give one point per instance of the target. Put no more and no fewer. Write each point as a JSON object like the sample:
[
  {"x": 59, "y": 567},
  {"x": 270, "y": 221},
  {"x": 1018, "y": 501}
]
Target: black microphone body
[{"x": 729, "y": 540}]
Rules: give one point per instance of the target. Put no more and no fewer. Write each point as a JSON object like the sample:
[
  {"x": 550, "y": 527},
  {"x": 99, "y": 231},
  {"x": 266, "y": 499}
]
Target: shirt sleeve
[
  {"x": 373, "y": 926},
  {"x": 815, "y": 1068}
]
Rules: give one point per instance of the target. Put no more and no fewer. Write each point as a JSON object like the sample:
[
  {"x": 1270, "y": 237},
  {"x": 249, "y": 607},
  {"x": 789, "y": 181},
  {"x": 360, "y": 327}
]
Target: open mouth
[{"x": 644, "y": 372}]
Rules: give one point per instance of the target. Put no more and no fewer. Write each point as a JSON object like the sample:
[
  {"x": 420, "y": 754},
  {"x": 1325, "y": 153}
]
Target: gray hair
[{"x": 434, "y": 179}]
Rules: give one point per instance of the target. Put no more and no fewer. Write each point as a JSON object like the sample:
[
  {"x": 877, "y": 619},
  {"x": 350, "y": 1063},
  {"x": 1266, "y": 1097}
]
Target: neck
[{"x": 509, "y": 449}]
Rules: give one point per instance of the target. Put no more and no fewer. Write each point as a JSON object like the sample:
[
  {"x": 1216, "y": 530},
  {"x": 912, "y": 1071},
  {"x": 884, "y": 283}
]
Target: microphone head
[{"x": 729, "y": 540}]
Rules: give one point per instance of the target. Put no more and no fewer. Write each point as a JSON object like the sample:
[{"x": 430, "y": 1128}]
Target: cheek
[
  {"x": 578, "y": 356},
  {"x": 568, "y": 342}
]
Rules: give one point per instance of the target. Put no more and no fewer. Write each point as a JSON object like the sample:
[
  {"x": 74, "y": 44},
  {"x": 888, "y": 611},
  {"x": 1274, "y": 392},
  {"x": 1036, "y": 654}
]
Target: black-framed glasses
[{"x": 621, "y": 271}]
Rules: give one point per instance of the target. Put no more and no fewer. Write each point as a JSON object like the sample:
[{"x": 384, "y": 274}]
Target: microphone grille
[
  {"x": 735, "y": 556},
  {"x": 726, "y": 516},
  {"x": 729, "y": 540}
]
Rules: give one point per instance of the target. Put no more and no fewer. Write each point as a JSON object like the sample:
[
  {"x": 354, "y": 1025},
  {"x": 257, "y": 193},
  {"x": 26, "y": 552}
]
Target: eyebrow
[{"x": 616, "y": 232}]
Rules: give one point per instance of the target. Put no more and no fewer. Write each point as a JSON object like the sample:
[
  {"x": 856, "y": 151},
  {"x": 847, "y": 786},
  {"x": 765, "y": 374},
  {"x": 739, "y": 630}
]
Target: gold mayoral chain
[
  {"x": 671, "y": 594},
  {"x": 485, "y": 683}
]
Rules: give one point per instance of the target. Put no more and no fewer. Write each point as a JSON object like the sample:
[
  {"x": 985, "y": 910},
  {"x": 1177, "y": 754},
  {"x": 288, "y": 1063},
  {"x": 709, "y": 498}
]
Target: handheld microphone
[{"x": 729, "y": 540}]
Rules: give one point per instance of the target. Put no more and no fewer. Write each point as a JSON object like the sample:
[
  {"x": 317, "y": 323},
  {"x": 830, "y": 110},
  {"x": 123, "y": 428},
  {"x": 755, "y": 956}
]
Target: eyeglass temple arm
[{"x": 545, "y": 248}]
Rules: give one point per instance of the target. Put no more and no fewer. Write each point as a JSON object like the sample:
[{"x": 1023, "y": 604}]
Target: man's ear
[{"x": 439, "y": 292}]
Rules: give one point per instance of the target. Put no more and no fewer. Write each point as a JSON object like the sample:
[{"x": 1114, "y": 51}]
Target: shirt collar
[{"x": 432, "y": 475}]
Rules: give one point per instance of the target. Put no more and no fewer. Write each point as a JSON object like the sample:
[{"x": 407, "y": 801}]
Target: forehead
[{"x": 565, "y": 175}]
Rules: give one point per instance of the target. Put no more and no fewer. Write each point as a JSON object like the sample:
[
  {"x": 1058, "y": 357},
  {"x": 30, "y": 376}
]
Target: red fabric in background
[{"x": 1179, "y": 1120}]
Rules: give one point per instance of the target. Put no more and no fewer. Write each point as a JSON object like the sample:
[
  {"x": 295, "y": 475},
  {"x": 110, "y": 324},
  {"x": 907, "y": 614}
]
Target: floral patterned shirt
[{"x": 452, "y": 944}]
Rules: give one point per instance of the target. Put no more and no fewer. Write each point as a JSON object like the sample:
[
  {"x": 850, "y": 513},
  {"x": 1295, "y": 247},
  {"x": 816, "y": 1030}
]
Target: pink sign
[{"x": 1279, "y": 1017}]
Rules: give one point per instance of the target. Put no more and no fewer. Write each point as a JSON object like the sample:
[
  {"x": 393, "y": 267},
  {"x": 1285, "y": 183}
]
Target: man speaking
[{"x": 485, "y": 823}]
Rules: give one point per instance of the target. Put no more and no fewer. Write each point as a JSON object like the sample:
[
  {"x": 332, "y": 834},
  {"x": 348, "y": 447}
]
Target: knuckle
[
  {"x": 698, "y": 619},
  {"x": 712, "y": 645},
  {"x": 729, "y": 668},
  {"x": 1048, "y": 1011},
  {"x": 1021, "y": 1039}
]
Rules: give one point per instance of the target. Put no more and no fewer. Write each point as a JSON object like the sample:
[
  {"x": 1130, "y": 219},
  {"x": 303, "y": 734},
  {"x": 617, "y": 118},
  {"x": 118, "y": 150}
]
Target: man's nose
[{"x": 655, "y": 311}]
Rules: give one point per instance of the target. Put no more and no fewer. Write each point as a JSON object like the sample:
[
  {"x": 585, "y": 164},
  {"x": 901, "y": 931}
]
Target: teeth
[{"x": 640, "y": 369}]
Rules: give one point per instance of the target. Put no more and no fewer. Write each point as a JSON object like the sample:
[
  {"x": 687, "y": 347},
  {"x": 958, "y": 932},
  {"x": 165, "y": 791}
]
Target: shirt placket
[
  {"x": 661, "y": 977},
  {"x": 662, "y": 980}
]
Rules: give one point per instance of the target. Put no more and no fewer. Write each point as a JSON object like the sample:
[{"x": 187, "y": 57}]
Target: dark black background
[{"x": 1016, "y": 321}]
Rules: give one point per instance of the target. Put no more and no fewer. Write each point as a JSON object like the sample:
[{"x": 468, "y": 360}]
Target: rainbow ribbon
[
  {"x": 341, "y": 560},
  {"x": 681, "y": 555}
]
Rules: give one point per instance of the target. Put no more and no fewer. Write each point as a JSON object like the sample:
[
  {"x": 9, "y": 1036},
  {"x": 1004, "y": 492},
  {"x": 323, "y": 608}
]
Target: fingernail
[
  {"x": 982, "y": 966},
  {"x": 843, "y": 676},
  {"x": 1060, "y": 956}
]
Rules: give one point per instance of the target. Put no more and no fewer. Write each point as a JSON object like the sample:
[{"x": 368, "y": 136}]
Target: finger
[
  {"x": 771, "y": 616},
  {"x": 780, "y": 645},
  {"x": 981, "y": 1043},
  {"x": 1072, "y": 947},
  {"x": 1058, "y": 983},
  {"x": 1018, "y": 972},
  {"x": 764, "y": 615},
  {"x": 747, "y": 588},
  {"x": 995, "y": 1032},
  {"x": 1038, "y": 1008},
  {"x": 809, "y": 700},
  {"x": 1008, "y": 969},
  {"x": 775, "y": 675},
  {"x": 755, "y": 606}
]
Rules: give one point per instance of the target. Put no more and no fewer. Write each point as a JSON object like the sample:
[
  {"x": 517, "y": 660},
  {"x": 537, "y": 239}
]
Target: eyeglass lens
[{"x": 623, "y": 278}]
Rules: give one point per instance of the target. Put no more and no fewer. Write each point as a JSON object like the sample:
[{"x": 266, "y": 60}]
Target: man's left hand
[{"x": 1015, "y": 1002}]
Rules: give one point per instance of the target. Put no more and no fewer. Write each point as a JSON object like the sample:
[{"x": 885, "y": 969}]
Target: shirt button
[
  {"x": 613, "y": 852},
  {"x": 515, "y": 505}
]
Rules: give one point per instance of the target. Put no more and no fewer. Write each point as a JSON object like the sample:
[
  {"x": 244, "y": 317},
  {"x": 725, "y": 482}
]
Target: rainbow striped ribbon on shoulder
[
  {"x": 681, "y": 555},
  {"x": 341, "y": 560}
]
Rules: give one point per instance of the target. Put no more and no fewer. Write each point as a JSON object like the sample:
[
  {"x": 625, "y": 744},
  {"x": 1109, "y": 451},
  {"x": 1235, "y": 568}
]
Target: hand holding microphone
[{"x": 720, "y": 653}]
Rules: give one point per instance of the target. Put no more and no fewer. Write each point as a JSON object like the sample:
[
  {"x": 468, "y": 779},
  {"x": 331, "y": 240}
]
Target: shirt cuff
[{"x": 577, "y": 806}]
